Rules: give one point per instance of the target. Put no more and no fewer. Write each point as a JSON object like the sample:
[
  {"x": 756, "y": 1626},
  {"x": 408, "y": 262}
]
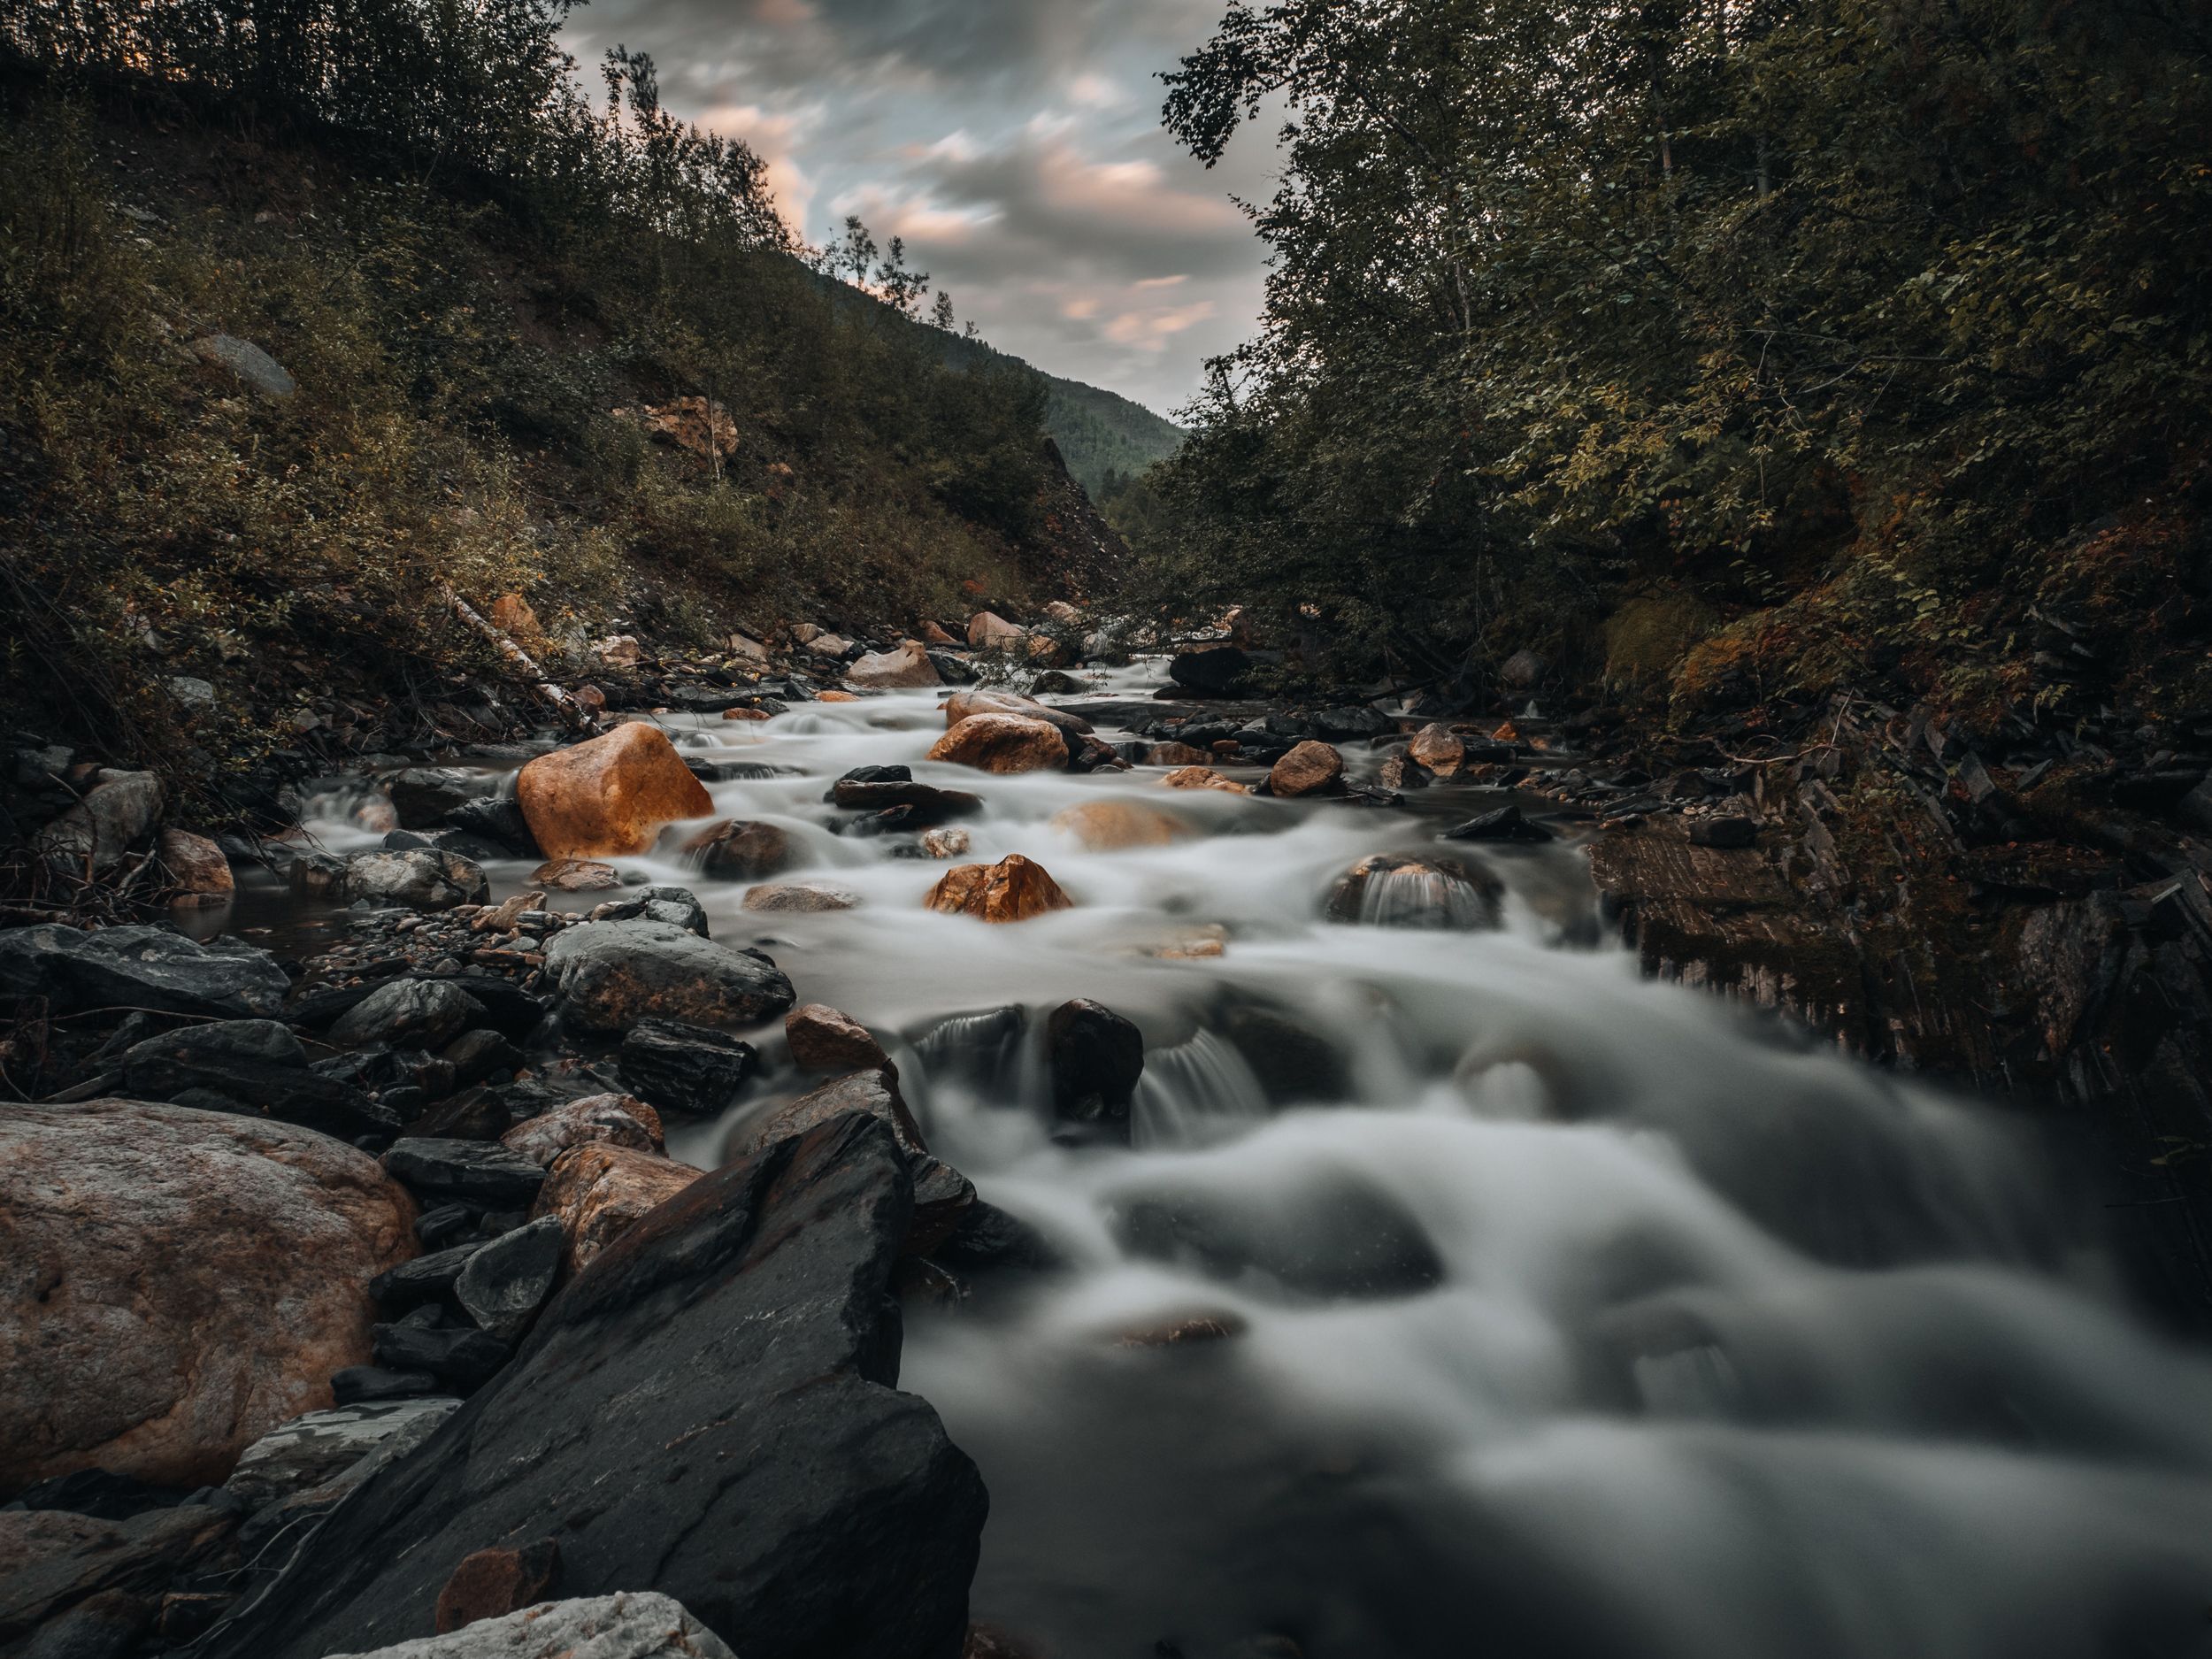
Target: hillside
[
  {"x": 1101, "y": 433},
  {"x": 273, "y": 396}
]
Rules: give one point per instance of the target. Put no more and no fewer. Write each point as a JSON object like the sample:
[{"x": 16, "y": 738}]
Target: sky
[{"x": 1015, "y": 145}]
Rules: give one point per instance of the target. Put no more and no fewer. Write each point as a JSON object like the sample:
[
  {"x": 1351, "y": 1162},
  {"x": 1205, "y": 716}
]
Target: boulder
[
  {"x": 1727, "y": 831},
  {"x": 1202, "y": 778},
  {"x": 409, "y": 1013},
  {"x": 1310, "y": 768},
  {"x": 439, "y": 1170},
  {"x": 198, "y": 871},
  {"x": 494, "y": 1584},
  {"x": 1524, "y": 671},
  {"x": 192, "y": 1284},
  {"x": 1012, "y": 890},
  {"x": 1003, "y": 743},
  {"x": 139, "y": 967},
  {"x": 425, "y": 879},
  {"x": 1095, "y": 1058},
  {"x": 678, "y": 907},
  {"x": 685, "y": 1068},
  {"x": 989, "y": 632},
  {"x": 634, "y": 1624},
  {"x": 945, "y": 843},
  {"x": 869, "y": 1091},
  {"x": 798, "y": 899},
  {"x": 613, "y": 974},
  {"x": 575, "y": 875},
  {"x": 1212, "y": 671},
  {"x": 1101, "y": 827},
  {"x": 906, "y": 667},
  {"x": 309, "y": 1450},
  {"x": 1292, "y": 1059},
  {"x": 426, "y": 1279},
  {"x": 459, "y": 1356},
  {"x": 507, "y": 1281},
  {"x": 609, "y": 797},
  {"x": 824, "y": 1039},
  {"x": 1175, "y": 755},
  {"x": 423, "y": 795},
  {"x": 94, "y": 834},
  {"x": 965, "y": 705},
  {"x": 1435, "y": 746},
  {"x": 619, "y": 1120},
  {"x": 738, "y": 850},
  {"x": 247, "y": 364},
  {"x": 599, "y": 1192},
  {"x": 1392, "y": 890}
]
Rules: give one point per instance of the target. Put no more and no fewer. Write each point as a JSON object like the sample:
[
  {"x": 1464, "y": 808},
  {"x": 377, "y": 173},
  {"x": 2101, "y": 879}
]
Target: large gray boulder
[
  {"x": 711, "y": 1407},
  {"x": 613, "y": 974},
  {"x": 421, "y": 879},
  {"x": 255, "y": 1066},
  {"x": 118, "y": 813},
  {"x": 417, "y": 1013},
  {"x": 139, "y": 967},
  {"x": 643, "y": 1625}
]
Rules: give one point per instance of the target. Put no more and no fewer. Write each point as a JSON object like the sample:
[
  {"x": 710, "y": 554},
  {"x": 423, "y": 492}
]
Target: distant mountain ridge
[{"x": 1099, "y": 433}]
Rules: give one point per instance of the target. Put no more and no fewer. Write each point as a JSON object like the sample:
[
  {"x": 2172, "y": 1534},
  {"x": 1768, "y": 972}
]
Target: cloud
[{"x": 1013, "y": 145}]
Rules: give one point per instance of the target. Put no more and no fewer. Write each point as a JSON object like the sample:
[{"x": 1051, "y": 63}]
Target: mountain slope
[{"x": 1098, "y": 431}]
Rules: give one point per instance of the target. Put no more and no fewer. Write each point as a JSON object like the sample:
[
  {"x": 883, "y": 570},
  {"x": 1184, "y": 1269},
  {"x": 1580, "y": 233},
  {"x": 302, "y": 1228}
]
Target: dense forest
[
  {"x": 490, "y": 289},
  {"x": 1721, "y": 348}
]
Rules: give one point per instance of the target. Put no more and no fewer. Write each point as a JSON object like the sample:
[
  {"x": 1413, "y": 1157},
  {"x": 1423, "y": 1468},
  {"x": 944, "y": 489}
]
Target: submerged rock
[
  {"x": 1392, "y": 890},
  {"x": 424, "y": 879},
  {"x": 1202, "y": 777},
  {"x": 191, "y": 1284},
  {"x": 965, "y": 705},
  {"x": 814, "y": 1512},
  {"x": 1096, "y": 1057},
  {"x": 1012, "y": 890},
  {"x": 737, "y": 850},
  {"x": 1319, "y": 1233},
  {"x": 1101, "y": 827}
]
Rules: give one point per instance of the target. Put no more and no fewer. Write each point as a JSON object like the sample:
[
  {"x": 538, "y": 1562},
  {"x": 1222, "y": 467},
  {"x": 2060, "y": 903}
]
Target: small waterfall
[
  {"x": 1194, "y": 1092},
  {"x": 1418, "y": 896}
]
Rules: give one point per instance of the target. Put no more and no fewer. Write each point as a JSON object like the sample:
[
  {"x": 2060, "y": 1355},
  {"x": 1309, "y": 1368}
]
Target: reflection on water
[{"x": 1554, "y": 1313}]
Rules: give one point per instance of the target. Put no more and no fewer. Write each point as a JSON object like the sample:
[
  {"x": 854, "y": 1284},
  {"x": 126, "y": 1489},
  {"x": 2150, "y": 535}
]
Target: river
[{"x": 1532, "y": 1309}]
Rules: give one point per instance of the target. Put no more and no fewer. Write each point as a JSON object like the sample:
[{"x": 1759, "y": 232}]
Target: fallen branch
[{"x": 505, "y": 644}]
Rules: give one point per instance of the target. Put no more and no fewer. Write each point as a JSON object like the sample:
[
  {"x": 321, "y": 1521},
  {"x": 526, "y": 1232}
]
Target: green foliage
[
  {"x": 1099, "y": 433},
  {"x": 1568, "y": 299}
]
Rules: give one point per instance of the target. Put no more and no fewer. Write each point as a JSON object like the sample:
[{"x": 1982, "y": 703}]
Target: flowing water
[{"x": 1527, "y": 1308}]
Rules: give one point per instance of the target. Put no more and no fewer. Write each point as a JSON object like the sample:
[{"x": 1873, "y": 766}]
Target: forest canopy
[{"x": 1841, "y": 331}]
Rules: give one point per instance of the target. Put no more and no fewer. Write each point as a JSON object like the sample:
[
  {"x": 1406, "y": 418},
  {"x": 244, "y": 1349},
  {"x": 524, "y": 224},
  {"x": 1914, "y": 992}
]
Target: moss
[{"x": 1647, "y": 637}]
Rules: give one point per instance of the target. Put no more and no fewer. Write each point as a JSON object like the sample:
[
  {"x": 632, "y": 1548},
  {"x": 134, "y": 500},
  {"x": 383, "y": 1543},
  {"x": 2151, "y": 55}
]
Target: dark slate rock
[
  {"x": 1322, "y": 1234},
  {"x": 95, "y": 1492},
  {"x": 98, "y": 1596},
  {"x": 1095, "y": 1058},
  {"x": 497, "y": 819},
  {"x": 139, "y": 967},
  {"x": 256, "y": 1067},
  {"x": 870, "y": 774},
  {"x": 423, "y": 796},
  {"x": 988, "y": 1240},
  {"x": 683, "y": 1068},
  {"x": 426, "y": 1279},
  {"x": 416, "y": 1013},
  {"x": 506, "y": 1007},
  {"x": 442, "y": 1225},
  {"x": 507, "y": 1281},
  {"x": 461, "y": 1356},
  {"x": 1507, "y": 824},
  {"x": 1293, "y": 1061},
  {"x": 357, "y": 1383},
  {"x": 464, "y": 843},
  {"x": 930, "y": 806},
  {"x": 1341, "y": 724},
  {"x": 469, "y": 1171},
  {"x": 476, "y": 1054},
  {"x": 814, "y": 1512},
  {"x": 954, "y": 671}
]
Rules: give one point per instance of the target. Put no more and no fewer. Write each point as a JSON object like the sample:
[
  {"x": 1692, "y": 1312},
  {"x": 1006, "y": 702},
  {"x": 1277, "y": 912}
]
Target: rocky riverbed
[{"x": 699, "y": 1154}]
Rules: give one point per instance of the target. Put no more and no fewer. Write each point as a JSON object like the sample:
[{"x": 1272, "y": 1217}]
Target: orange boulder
[
  {"x": 609, "y": 798},
  {"x": 1312, "y": 768},
  {"x": 1012, "y": 890},
  {"x": 1003, "y": 743}
]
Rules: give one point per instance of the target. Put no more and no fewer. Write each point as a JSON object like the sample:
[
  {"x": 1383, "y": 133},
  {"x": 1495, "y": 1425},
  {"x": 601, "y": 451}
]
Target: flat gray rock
[
  {"x": 636, "y": 1625},
  {"x": 139, "y": 967},
  {"x": 311, "y": 1449}
]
